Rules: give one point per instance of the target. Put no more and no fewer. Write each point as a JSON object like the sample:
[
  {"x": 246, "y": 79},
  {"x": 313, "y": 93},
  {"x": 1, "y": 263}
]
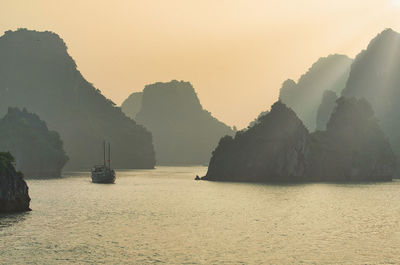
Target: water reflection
[{"x": 7, "y": 220}]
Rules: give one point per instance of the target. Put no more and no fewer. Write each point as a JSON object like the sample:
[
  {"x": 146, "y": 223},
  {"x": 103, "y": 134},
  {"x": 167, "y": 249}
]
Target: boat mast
[
  {"x": 104, "y": 152},
  {"x": 109, "y": 155}
]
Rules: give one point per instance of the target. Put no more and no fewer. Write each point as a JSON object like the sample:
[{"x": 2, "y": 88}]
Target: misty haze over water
[
  {"x": 294, "y": 112},
  {"x": 162, "y": 216}
]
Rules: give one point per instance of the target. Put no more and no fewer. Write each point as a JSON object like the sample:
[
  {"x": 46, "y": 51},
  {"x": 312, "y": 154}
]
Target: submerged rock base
[{"x": 14, "y": 195}]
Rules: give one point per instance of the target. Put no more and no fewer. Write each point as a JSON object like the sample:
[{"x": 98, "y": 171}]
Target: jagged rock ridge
[
  {"x": 375, "y": 76},
  {"x": 272, "y": 150},
  {"x": 280, "y": 149},
  {"x": 257, "y": 120}
]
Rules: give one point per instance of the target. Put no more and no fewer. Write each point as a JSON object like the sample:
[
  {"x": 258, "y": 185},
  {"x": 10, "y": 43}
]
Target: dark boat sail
[{"x": 104, "y": 173}]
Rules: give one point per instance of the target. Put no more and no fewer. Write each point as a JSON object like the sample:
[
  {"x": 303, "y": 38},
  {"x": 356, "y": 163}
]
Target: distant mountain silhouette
[
  {"x": 184, "y": 133},
  {"x": 280, "y": 149},
  {"x": 132, "y": 105},
  {"x": 38, "y": 152},
  {"x": 304, "y": 97},
  {"x": 375, "y": 76},
  {"x": 37, "y": 73}
]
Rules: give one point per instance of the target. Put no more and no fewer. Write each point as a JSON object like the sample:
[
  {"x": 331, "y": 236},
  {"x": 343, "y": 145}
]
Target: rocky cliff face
[
  {"x": 38, "y": 152},
  {"x": 14, "y": 195},
  {"x": 375, "y": 76},
  {"x": 274, "y": 149},
  {"x": 280, "y": 149},
  {"x": 325, "y": 109},
  {"x": 37, "y": 73},
  {"x": 184, "y": 133},
  {"x": 304, "y": 97},
  {"x": 353, "y": 148}
]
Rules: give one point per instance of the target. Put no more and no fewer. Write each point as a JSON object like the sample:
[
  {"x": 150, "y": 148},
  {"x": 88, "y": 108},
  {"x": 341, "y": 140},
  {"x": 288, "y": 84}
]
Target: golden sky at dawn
[{"x": 236, "y": 53}]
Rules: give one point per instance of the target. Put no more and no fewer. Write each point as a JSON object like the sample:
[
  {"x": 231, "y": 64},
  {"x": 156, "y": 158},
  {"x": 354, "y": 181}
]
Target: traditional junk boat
[{"x": 104, "y": 173}]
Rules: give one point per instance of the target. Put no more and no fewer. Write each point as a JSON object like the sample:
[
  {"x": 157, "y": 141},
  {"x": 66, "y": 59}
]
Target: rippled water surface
[{"x": 163, "y": 216}]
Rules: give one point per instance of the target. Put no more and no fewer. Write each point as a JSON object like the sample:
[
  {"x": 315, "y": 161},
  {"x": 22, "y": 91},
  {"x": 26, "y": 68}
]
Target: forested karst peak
[
  {"x": 37, "y": 73},
  {"x": 280, "y": 149},
  {"x": 375, "y": 76},
  {"x": 38, "y": 152}
]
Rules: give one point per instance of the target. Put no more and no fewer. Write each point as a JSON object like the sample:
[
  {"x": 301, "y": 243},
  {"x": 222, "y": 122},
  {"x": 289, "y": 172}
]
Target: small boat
[{"x": 104, "y": 173}]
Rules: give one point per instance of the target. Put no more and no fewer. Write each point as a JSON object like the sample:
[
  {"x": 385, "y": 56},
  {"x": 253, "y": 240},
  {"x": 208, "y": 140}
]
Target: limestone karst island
[{"x": 200, "y": 132}]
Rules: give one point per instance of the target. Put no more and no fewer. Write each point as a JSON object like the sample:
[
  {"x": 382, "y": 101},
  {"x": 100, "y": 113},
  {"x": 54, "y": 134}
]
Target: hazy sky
[{"x": 236, "y": 53}]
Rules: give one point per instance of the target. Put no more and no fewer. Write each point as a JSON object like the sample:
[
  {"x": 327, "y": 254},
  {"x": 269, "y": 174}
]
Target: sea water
[{"x": 164, "y": 216}]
